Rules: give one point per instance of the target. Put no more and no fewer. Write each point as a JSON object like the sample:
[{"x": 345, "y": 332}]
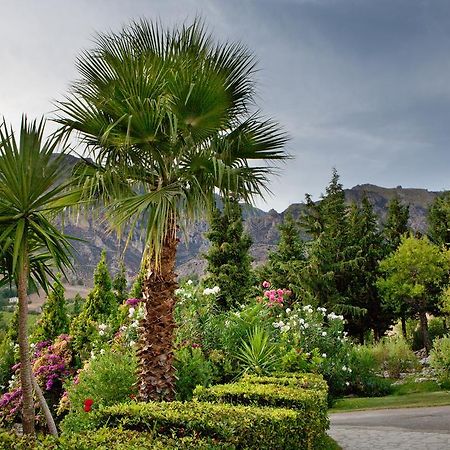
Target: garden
[{"x": 348, "y": 312}]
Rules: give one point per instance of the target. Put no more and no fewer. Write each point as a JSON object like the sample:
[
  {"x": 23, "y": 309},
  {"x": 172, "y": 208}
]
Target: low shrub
[
  {"x": 284, "y": 396},
  {"x": 299, "y": 380},
  {"x": 240, "y": 426},
  {"x": 109, "y": 439},
  {"x": 106, "y": 379},
  {"x": 440, "y": 359},
  {"x": 192, "y": 369},
  {"x": 394, "y": 356}
]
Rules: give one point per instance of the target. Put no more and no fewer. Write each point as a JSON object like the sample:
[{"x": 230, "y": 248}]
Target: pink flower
[{"x": 266, "y": 284}]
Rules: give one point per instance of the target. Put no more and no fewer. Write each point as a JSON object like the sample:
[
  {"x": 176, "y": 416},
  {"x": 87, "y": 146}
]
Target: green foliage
[
  {"x": 256, "y": 353},
  {"x": 229, "y": 263},
  {"x": 440, "y": 359},
  {"x": 120, "y": 284},
  {"x": 107, "y": 379},
  {"x": 136, "y": 288},
  {"x": 285, "y": 264},
  {"x": 242, "y": 426},
  {"x": 436, "y": 329},
  {"x": 109, "y": 439},
  {"x": 394, "y": 356},
  {"x": 413, "y": 280},
  {"x": 396, "y": 224},
  {"x": 54, "y": 320},
  {"x": 7, "y": 360},
  {"x": 77, "y": 306},
  {"x": 192, "y": 369},
  {"x": 100, "y": 303},
  {"x": 439, "y": 220}
]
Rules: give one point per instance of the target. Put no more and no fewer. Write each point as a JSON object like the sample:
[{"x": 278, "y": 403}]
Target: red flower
[{"x": 88, "y": 404}]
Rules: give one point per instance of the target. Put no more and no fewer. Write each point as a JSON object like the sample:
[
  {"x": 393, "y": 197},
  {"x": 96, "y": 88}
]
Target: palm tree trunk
[
  {"x": 25, "y": 363},
  {"x": 155, "y": 346}
]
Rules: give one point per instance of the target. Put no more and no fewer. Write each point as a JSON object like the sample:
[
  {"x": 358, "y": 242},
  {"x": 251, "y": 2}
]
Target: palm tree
[
  {"x": 167, "y": 119},
  {"x": 31, "y": 188}
]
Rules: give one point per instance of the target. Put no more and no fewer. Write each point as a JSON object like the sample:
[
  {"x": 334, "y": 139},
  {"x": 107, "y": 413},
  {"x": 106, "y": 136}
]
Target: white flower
[
  {"x": 131, "y": 312},
  {"x": 285, "y": 328},
  {"x": 344, "y": 368},
  {"x": 324, "y": 355},
  {"x": 135, "y": 324},
  {"x": 102, "y": 351},
  {"x": 306, "y": 325},
  {"x": 347, "y": 383},
  {"x": 216, "y": 289},
  {"x": 279, "y": 324},
  {"x": 288, "y": 310},
  {"x": 178, "y": 291},
  {"x": 308, "y": 308},
  {"x": 132, "y": 343},
  {"x": 123, "y": 328},
  {"x": 92, "y": 354},
  {"x": 189, "y": 282},
  {"x": 301, "y": 321},
  {"x": 349, "y": 370},
  {"x": 324, "y": 333},
  {"x": 101, "y": 332},
  {"x": 102, "y": 327}
]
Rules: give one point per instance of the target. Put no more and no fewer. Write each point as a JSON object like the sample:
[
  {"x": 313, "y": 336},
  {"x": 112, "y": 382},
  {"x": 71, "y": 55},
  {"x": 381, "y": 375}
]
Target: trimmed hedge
[
  {"x": 109, "y": 439},
  {"x": 240, "y": 426},
  {"x": 301, "y": 380}
]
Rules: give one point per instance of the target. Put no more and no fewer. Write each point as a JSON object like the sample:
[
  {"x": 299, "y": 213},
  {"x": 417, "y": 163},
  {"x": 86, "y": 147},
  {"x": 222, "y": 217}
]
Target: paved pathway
[{"x": 393, "y": 429}]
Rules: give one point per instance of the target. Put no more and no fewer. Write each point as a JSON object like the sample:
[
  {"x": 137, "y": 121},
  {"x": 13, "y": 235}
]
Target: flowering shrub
[
  {"x": 313, "y": 339},
  {"x": 51, "y": 365}
]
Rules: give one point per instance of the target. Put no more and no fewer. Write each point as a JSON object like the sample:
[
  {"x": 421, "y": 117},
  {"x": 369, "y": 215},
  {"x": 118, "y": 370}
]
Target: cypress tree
[
  {"x": 54, "y": 319},
  {"x": 229, "y": 263}
]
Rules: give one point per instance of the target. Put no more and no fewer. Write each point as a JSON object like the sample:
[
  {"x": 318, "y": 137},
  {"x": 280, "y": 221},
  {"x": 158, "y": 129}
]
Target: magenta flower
[{"x": 266, "y": 284}]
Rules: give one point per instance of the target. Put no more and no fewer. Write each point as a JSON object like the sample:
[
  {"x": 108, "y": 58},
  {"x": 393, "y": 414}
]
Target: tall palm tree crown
[{"x": 167, "y": 117}]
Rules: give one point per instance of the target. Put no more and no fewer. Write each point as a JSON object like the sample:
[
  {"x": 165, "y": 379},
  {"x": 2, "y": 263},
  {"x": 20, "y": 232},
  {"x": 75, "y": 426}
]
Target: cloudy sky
[{"x": 360, "y": 85}]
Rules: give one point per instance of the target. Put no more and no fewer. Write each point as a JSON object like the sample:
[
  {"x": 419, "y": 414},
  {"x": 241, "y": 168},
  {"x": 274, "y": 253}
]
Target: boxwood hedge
[{"x": 240, "y": 426}]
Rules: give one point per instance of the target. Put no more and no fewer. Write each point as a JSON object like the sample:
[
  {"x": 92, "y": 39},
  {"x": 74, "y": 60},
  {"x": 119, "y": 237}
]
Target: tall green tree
[
  {"x": 330, "y": 263},
  {"x": 414, "y": 277},
  {"x": 168, "y": 120},
  {"x": 368, "y": 249},
  {"x": 32, "y": 187},
  {"x": 229, "y": 261},
  {"x": 439, "y": 220},
  {"x": 285, "y": 265},
  {"x": 54, "y": 320},
  {"x": 396, "y": 224}
]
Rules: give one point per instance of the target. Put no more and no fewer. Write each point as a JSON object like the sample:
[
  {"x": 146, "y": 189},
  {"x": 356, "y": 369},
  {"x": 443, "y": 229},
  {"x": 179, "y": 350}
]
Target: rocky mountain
[{"x": 262, "y": 226}]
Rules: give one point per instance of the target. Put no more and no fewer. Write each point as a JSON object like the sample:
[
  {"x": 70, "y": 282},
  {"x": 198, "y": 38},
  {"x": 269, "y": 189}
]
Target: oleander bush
[{"x": 237, "y": 425}]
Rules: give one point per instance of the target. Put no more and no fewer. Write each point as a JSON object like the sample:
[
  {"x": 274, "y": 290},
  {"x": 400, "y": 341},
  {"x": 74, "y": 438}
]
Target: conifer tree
[
  {"x": 77, "y": 305},
  {"x": 120, "y": 284},
  {"x": 285, "y": 264},
  {"x": 368, "y": 248},
  {"x": 136, "y": 288},
  {"x": 396, "y": 224},
  {"x": 101, "y": 303},
  {"x": 229, "y": 263},
  {"x": 54, "y": 320},
  {"x": 328, "y": 271},
  {"x": 439, "y": 220}
]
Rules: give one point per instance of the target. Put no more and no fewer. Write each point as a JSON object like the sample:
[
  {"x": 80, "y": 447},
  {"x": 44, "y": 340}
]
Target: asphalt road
[{"x": 393, "y": 429}]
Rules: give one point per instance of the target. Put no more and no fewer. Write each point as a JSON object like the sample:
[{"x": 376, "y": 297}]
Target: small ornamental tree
[
  {"x": 101, "y": 303},
  {"x": 54, "y": 320},
  {"x": 229, "y": 263},
  {"x": 413, "y": 279}
]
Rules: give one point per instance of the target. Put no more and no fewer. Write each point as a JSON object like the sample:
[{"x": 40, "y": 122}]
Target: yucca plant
[
  {"x": 168, "y": 122},
  {"x": 33, "y": 185},
  {"x": 257, "y": 354}
]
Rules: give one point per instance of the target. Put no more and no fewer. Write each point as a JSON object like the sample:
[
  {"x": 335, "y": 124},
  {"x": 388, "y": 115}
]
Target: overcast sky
[{"x": 360, "y": 85}]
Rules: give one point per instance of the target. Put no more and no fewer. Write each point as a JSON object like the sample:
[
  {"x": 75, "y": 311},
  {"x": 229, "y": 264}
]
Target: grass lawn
[{"x": 408, "y": 395}]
